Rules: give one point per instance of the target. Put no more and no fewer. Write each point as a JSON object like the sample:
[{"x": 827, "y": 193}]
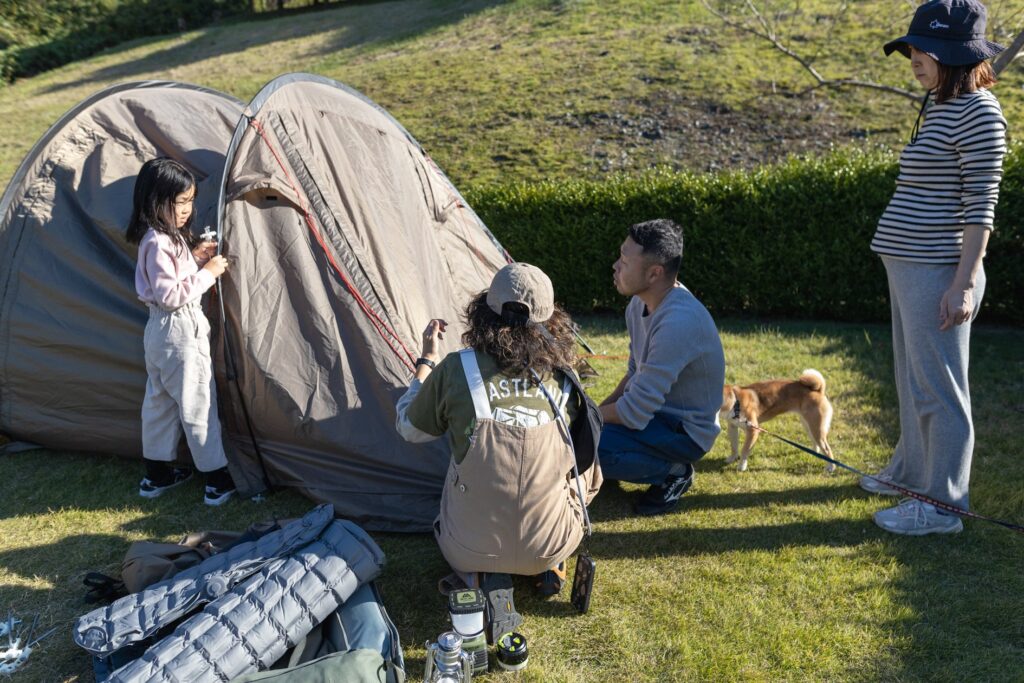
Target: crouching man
[
  {"x": 510, "y": 503},
  {"x": 663, "y": 416}
]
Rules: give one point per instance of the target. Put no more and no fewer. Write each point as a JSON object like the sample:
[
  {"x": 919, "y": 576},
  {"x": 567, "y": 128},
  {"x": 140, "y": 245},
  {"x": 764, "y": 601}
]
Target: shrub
[
  {"x": 788, "y": 240},
  {"x": 44, "y": 34},
  {"x": 37, "y": 36}
]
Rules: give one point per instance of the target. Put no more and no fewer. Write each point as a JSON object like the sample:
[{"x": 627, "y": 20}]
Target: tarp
[{"x": 343, "y": 239}]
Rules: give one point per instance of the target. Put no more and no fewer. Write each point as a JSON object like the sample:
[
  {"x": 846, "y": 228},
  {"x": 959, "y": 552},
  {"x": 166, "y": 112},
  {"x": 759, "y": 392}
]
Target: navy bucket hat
[{"x": 952, "y": 32}]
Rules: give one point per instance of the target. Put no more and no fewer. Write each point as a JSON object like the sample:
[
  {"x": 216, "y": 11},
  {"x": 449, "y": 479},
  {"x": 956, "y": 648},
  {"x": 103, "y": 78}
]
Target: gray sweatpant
[
  {"x": 180, "y": 391},
  {"x": 933, "y": 454}
]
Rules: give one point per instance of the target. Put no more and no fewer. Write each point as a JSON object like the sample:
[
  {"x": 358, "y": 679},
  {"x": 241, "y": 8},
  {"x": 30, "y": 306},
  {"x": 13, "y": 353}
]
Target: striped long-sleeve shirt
[{"x": 949, "y": 178}]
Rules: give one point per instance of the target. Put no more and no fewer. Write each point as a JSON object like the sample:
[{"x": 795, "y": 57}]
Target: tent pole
[{"x": 233, "y": 378}]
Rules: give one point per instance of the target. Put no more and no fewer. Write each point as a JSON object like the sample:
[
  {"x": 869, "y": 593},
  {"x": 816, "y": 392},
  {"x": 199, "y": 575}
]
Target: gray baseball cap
[{"x": 524, "y": 284}]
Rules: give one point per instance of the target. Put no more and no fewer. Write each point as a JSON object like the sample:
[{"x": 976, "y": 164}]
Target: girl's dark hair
[
  {"x": 515, "y": 343},
  {"x": 955, "y": 81},
  {"x": 159, "y": 182}
]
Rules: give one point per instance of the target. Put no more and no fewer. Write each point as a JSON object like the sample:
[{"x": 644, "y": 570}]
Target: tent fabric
[
  {"x": 343, "y": 239},
  {"x": 318, "y": 375},
  {"x": 71, "y": 363}
]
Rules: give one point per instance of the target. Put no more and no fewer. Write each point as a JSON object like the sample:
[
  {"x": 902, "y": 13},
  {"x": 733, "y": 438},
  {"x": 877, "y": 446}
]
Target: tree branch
[
  {"x": 838, "y": 83},
  {"x": 1009, "y": 54},
  {"x": 833, "y": 22},
  {"x": 767, "y": 33}
]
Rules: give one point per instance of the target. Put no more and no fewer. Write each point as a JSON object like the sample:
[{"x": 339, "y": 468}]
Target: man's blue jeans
[{"x": 646, "y": 456}]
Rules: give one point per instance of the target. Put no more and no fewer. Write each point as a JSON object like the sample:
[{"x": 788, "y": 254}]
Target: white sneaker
[
  {"x": 914, "y": 518},
  {"x": 872, "y": 486}
]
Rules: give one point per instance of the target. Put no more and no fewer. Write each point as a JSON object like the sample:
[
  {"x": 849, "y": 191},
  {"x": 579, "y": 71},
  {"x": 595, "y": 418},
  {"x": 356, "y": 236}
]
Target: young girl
[{"x": 173, "y": 271}]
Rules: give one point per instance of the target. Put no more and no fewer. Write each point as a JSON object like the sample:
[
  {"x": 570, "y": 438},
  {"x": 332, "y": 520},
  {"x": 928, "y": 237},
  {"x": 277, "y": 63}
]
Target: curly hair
[{"x": 516, "y": 344}]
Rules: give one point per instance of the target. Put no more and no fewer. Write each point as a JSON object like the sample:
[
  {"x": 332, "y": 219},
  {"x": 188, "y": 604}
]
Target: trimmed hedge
[
  {"x": 46, "y": 34},
  {"x": 38, "y": 35},
  {"x": 790, "y": 240}
]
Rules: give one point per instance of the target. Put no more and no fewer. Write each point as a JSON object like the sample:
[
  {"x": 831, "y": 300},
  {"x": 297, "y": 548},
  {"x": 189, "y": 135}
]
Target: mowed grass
[
  {"x": 776, "y": 574},
  {"x": 541, "y": 89}
]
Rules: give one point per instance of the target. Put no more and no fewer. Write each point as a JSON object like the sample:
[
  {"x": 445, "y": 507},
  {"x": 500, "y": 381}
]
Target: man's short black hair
[{"x": 662, "y": 242}]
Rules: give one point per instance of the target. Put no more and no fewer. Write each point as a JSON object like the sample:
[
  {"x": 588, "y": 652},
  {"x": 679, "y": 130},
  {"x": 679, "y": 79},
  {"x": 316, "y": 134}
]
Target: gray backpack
[{"x": 358, "y": 643}]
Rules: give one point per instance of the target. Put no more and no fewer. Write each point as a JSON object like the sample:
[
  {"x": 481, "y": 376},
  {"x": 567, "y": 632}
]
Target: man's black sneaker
[
  {"x": 662, "y": 498},
  {"x": 219, "y": 487},
  {"x": 152, "y": 487}
]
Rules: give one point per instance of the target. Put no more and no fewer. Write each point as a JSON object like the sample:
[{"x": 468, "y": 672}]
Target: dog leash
[{"x": 905, "y": 491}]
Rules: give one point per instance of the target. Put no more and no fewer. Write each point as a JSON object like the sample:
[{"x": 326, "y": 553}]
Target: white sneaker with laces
[
  {"x": 872, "y": 486},
  {"x": 914, "y": 518}
]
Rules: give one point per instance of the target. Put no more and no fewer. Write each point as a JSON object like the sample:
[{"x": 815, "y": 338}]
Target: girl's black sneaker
[
  {"x": 162, "y": 477},
  {"x": 219, "y": 487}
]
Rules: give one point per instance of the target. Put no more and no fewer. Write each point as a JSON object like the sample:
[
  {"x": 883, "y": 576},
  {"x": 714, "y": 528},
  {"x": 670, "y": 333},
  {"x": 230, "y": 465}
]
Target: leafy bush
[
  {"x": 23, "y": 23},
  {"x": 36, "y": 36},
  {"x": 789, "y": 240}
]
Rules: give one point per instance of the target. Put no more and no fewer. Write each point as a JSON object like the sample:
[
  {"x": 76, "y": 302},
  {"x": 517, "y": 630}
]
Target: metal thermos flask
[{"x": 446, "y": 661}]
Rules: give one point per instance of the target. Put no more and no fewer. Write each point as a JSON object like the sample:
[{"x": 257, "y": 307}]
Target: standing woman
[{"x": 932, "y": 239}]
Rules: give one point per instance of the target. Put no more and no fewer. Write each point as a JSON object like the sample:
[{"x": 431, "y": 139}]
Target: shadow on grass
[
  {"x": 348, "y": 25},
  {"x": 951, "y": 591},
  {"x": 944, "y": 591},
  {"x": 947, "y": 591},
  {"x": 689, "y": 541},
  {"x": 614, "y": 502},
  {"x": 754, "y": 499},
  {"x": 46, "y": 581},
  {"x": 41, "y": 481},
  {"x": 63, "y": 564},
  {"x": 44, "y": 481}
]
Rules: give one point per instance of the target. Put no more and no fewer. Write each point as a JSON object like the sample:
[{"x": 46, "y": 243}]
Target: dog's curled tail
[{"x": 813, "y": 380}]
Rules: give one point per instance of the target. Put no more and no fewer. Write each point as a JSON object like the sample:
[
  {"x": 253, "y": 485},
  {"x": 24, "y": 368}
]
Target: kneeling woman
[{"x": 510, "y": 502}]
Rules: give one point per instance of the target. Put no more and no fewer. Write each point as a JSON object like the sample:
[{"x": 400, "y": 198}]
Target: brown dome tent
[{"x": 343, "y": 237}]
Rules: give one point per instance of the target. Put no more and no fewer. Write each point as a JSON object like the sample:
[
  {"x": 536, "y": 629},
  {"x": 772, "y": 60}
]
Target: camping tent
[{"x": 343, "y": 237}]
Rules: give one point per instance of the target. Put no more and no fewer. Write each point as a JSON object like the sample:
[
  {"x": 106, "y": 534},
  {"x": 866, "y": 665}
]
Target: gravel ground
[{"x": 686, "y": 132}]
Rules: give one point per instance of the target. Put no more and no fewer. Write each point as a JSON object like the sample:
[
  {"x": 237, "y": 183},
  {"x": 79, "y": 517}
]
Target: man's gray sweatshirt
[{"x": 676, "y": 366}]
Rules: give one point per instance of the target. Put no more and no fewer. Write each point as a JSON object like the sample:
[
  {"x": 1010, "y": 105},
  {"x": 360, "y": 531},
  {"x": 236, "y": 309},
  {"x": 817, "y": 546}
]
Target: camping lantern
[{"x": 466, "y": 609}]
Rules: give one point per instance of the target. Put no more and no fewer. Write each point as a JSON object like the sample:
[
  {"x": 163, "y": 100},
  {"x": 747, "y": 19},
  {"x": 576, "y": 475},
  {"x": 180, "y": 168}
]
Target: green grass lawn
[
  {"x": 530, "y": 89},
  {"x": 776, "y": 574}
]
